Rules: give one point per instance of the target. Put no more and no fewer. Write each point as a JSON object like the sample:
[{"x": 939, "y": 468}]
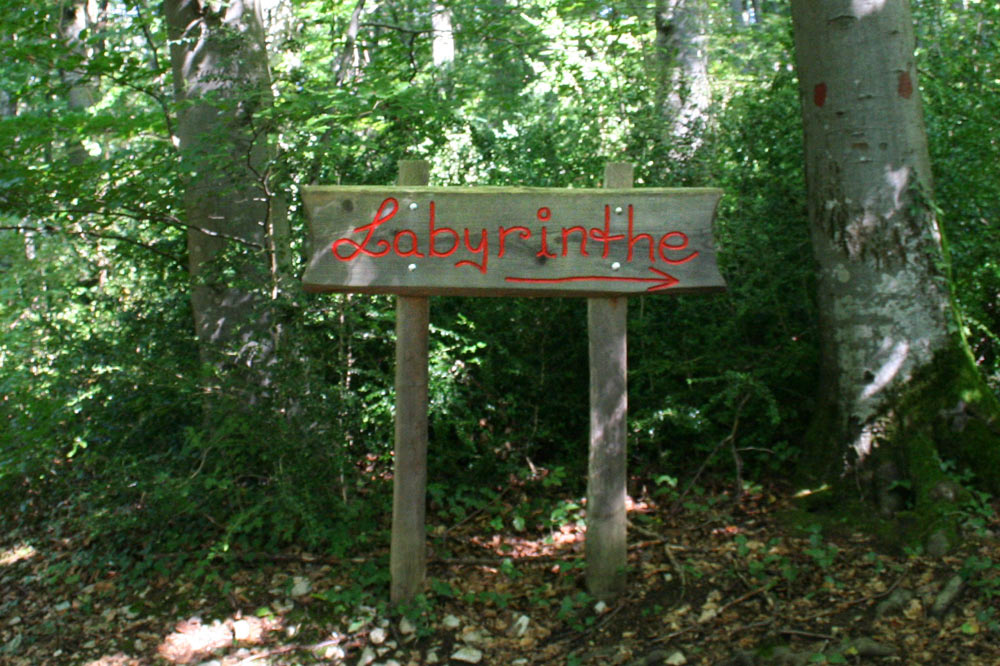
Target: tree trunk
[
  {"x": 443, "y": 38},
  {"x": 680, "y": 45},
  {"x": 349, "y": 64},
  {"x": 80, "y": 92},
  {"x": 899, "y": 391},
  {"x": 237, "y": 236},
  {"x": 737, "y": 12}
]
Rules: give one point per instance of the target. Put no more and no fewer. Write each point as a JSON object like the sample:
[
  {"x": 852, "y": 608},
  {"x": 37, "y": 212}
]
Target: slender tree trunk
[
  {"x": 681, "y": 31},
  {"x": 237, "y": 238},
  {"x": 899, "y": 391},
  {"x": 8, "y": 109},
  {"x": 81, "y": 93},
  {"x": 349, "y": 63},
  {"x": 7, "y": 105},
  {"x": 8, "y": 102},
  {"x": 736, "y": 10},
  {"x": 443, "y": 39}
]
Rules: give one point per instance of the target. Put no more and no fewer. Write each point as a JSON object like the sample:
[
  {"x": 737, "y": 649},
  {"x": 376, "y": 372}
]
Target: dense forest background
[{"x": 117, "y": 422}]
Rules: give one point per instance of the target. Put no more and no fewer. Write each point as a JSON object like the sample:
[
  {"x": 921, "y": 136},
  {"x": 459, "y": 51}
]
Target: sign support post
[
  {"x": 416, "y": 241},
  {"x": 606, "y": 518},
  {"x": 408, "y": 550}
]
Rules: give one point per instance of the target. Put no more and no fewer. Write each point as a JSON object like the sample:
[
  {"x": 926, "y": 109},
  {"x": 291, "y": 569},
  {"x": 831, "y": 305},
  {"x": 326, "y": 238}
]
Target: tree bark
[
  {"x": 349, "y": 64},
  {"x": 237, "y": 239},
  {"x": 443, "y": 38},
  {"x": 736, "y": 11},
  {"x": 81, "y": 93},
  {"x": 899, "y": 391},
  {"x": 684, "y": 86}
]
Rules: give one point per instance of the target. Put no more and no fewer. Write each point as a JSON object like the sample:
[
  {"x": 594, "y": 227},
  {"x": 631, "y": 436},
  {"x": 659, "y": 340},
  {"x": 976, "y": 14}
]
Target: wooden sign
[{"x": 487, "y": 241}]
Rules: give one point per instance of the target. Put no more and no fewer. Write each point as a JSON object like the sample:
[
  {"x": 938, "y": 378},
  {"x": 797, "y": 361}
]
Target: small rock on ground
[{"x": 468, "y": 655}]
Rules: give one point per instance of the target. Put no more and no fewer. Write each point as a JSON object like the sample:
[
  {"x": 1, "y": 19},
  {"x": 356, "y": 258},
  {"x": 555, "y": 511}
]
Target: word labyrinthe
[{"x": 511, "y": 241}]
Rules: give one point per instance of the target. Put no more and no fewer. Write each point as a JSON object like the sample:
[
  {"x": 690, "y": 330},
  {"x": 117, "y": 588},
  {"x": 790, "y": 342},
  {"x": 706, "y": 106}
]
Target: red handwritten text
[{"x": 472, "y": 247}]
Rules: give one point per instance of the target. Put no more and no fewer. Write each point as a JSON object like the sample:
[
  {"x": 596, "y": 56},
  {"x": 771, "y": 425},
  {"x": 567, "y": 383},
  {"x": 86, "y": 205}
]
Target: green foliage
[
  {"x": 823, "y": 554},
  {"x": 768, "y": 567},
  {"x": 575, "y": 610},
  {"x": 960, "y": 118}
]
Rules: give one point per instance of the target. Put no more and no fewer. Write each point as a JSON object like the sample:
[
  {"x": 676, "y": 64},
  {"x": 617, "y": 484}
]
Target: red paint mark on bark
[
  {"x": 905, "y": 85},
  {"x": 819, "y": 94}
]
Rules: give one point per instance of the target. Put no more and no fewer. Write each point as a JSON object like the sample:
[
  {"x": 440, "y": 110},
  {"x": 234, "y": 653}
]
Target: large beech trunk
[
  {"x": 236, "y": 236},
  {"x": 899, "y": 392}
]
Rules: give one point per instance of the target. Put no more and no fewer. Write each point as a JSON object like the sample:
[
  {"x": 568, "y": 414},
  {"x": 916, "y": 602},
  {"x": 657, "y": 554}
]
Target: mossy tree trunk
[{"x": 899, "y": 393}]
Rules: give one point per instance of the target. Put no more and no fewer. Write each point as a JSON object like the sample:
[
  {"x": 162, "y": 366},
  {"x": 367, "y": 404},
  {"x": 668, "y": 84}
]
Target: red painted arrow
[{"x": 665, "y": 281}]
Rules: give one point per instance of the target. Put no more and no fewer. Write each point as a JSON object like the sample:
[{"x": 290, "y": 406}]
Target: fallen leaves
[{"x": 717, "y": 585}]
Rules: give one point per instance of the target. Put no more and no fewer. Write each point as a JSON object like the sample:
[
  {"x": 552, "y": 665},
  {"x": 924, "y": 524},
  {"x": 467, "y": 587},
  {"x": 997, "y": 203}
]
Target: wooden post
[
  {"x": 408, "y": 556},
  {"x": 606, "y": 519}
]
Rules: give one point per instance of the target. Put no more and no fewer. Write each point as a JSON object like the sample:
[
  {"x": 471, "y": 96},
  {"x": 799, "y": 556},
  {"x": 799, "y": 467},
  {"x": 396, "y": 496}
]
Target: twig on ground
[
  {"x": 807, "y": 634},
  {"x": 722, "y": 609},
  {"x": 854, "y": 602}
]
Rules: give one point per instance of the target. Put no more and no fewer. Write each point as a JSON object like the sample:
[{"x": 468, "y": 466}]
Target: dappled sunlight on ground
[
  {"x": 710, "y": 581},
  {"x": 559, "y": 542},
  {"x": 114, "y": 660},
  {"x": 566, "y": 540},
  {"x": 194, "y": 640},
  {"x": 21, "y": 551}
]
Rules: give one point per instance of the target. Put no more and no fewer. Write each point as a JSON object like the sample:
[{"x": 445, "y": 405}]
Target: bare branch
[
  {"x": 168, "y": 220},
  {"x": 95, "y": 234},
  {"x": 397, "y": 28},
  {"x": 156, "y": 67}
]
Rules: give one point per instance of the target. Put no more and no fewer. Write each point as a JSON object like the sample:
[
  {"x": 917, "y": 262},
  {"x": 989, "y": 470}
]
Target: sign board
[{"x": 488, "y": 241}]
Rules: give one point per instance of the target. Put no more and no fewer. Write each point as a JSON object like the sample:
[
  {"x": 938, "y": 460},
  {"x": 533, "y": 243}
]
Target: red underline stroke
[{"x": 666, "y": 279}]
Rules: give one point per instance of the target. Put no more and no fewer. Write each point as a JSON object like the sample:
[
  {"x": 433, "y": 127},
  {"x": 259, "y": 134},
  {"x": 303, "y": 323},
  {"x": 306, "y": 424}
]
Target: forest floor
[{"x": 711, "y": 581}]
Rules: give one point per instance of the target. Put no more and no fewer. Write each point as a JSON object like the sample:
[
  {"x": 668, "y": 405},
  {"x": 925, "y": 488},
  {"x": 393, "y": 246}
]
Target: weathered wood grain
[
  {"x": 489, "y": 241},
  {"x": 606, "y": 551},
  {"x": 408, "y": 554}
]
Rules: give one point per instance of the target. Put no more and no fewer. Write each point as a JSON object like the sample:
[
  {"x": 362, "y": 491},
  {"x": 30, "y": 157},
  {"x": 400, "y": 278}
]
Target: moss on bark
[{"x": 937, "y": 430}]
